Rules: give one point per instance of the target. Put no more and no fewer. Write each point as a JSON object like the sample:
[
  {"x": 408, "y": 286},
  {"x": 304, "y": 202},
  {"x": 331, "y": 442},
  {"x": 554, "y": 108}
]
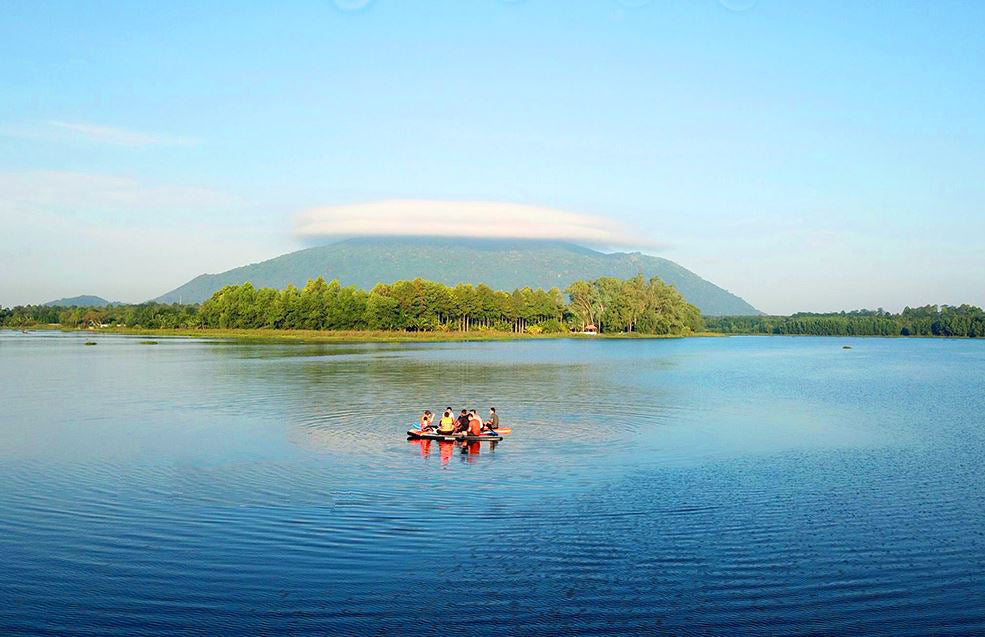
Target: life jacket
[
  {"x": 475, "y": 427},
  {"x": 447, "y": 424}
]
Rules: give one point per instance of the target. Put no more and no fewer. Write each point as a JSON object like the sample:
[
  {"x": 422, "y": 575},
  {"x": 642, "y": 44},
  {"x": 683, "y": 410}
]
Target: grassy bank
[{"x": 315, "y": 336}]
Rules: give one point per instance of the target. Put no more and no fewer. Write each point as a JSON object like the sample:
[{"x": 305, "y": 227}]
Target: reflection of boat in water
[
  {"x": 470, "y": 445},
  {"x": 446, "y": 448},
  {"x": 471, "y": 450},
  {"x": 423, "y": 445}
]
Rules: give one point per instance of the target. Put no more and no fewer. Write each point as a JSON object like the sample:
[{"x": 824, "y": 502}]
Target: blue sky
[{"x": 806, "y": 156}]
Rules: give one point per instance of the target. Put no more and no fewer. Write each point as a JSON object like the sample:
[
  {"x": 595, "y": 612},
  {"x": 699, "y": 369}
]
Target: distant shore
[{"x": 341, "y": 336}]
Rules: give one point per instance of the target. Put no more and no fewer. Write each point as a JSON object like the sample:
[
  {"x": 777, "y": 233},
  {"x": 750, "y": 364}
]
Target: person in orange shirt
[
  {"x": 475, "y": 424},
  {"x": 427, "y": 421}
]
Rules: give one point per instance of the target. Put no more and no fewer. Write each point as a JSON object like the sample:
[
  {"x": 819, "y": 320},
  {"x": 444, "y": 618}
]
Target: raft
[{"x": 415, "y": 434}]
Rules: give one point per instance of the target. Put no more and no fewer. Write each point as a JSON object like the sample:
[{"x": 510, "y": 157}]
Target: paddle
[{"x": 502, "y": 431}]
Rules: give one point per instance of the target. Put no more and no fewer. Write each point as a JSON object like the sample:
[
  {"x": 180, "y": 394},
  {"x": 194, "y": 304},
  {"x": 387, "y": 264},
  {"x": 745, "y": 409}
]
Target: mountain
[
  {"x": 500, "y": 264},
  {"x": 85, "y": 300}
]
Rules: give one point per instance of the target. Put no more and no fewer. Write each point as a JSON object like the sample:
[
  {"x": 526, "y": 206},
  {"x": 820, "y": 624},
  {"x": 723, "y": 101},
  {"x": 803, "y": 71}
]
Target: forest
[
  {"x": 633, "y": 305},
  {"x": 929, "y": 320},
  {"x": 612, "y": 305}
]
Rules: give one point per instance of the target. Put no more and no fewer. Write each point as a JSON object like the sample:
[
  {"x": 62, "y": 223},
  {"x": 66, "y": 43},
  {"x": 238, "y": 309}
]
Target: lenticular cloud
[{"x": 483, "y": 219}]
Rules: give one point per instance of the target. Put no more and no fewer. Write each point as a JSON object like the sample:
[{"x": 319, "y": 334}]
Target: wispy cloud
[
  {"x": 58, "y": 131},
  {"x": 121, "y": 136},
  {"x": 484, "y": 219},
  {"x": 134, "y": 238},
  {"x": 82, "y": 193},
  {"x": 50, "y": 255}
]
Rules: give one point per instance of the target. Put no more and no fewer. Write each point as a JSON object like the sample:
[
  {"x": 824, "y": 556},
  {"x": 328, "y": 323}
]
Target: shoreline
[
  {"x": 320, "y": 336},
  {"x": 366, "y": 336}
]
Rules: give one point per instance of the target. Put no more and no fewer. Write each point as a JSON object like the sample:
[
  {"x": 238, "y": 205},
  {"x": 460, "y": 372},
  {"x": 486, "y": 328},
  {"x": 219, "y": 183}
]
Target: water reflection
[
  {"x": 469, "y": 451},
  {"x": 720, "y": 486}
]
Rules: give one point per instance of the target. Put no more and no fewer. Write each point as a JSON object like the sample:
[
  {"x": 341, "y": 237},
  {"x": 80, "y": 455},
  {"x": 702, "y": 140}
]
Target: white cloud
[
  {"x": 484, "y": 219},
  {"x": 61, "y": 131}
]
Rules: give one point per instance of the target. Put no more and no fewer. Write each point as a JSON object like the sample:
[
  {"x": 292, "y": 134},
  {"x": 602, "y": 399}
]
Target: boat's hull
[{"x": 415, "y": 434}]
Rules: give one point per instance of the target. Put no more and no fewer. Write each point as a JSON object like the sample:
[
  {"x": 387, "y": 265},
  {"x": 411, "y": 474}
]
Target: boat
[{"x": 417, "y": 434}]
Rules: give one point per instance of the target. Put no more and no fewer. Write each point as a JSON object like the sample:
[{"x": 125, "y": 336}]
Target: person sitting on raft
[
  {"x": 446, "y": 425},
  {"x": 493, "y": 423},
  {"x": 475, "y": 425},
  {"x": 463, "y": 422},
  {"x": 427, "y": 421}
]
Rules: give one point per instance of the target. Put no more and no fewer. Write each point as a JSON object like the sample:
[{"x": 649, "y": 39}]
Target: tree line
[
  {"x": 611, "y": 305},
  {"x": 607, "y": 304},
  {"x": 145, "y": 315},
  {"x": 929, "y": 320}
]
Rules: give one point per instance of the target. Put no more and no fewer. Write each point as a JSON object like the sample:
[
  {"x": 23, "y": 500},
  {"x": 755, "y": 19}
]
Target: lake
[{"x": 716, "y": 486}]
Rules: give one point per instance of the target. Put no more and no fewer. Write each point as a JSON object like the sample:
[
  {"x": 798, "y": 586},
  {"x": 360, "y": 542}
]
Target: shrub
[{"x": 553, "y": 326}]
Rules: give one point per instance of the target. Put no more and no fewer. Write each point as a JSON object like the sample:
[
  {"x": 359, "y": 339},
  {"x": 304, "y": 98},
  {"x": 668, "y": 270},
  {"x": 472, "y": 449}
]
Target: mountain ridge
[
  {"x": 83, "y": 300},
  {"x": 502, "y": 264}
]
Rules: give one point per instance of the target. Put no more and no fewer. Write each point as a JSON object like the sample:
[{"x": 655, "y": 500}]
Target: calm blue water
[{"x": 740, "y": 486}]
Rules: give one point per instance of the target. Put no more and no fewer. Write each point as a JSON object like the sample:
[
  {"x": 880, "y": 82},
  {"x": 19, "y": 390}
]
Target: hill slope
[
  {"x": 85, "y": 300},
  {"x": 500, "y": 264}
]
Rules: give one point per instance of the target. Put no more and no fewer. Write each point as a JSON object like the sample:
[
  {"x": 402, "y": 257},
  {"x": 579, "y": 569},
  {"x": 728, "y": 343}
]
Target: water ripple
[{"x": 716, "y": 487}]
